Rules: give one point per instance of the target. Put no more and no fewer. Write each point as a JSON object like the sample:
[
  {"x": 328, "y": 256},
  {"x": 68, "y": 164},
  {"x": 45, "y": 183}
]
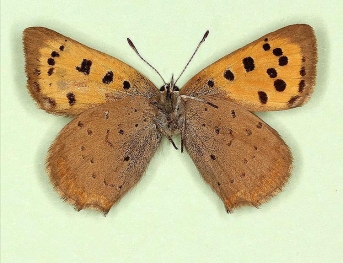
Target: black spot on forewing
[
  {"x": 279, "y": 85},
  {"x": 62, "y": 48},
  {"x": 126, "y": 158},
  {"x": 51, "y": 61},
  {"x": 54, "y": 54},
  {"x": 277, "y": 51},
  {"x": 85, "y": 66},
  {"x": 248, "y": 64},
  {"x": 266, "y": 47},
  {"x": 272, "y": 72},
  {"x": 210, "y": 83},
  {"x": 283, "y": 61},
  {"x": 233, "y": 114},
  {"x": 229, "y": 75},
  {"x": 71, "y": 98},
  {"x": 301, "y": 86},
  {"x": 108, "y": 78},
  {"x": 293, "y": 100},
  {"x": 213, "y": 157},
  {"x": 50, "y": 71},
  {"x": 263, "y": 97},
  {"x": 126, "y": 84},
  {"x": 302, "y": 72}
]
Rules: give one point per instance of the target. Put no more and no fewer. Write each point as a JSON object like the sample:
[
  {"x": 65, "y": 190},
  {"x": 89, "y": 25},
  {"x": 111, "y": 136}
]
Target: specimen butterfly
[{"x": 120, "y": 116}]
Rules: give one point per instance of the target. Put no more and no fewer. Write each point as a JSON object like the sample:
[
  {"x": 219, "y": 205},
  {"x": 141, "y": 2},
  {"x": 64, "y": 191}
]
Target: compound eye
[
  {"x": 164, "y": 87},
  {"x": 176, "y": 88}
]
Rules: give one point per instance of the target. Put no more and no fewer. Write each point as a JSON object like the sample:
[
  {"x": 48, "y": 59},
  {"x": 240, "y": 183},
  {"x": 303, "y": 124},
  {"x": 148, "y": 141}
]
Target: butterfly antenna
[
  {"x": 135, "y": 49},
  {"x": 202, "y": 41}
]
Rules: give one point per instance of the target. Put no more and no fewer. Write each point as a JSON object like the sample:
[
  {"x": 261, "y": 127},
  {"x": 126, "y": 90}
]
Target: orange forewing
[
  {"x": 66, "y": 77},
  {"x": 275, "y": 72}
]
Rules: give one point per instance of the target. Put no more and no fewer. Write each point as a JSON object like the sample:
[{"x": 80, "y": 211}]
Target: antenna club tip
[
  {"x": 130, "y": 42},
  {"x": 205, "y": 35}
]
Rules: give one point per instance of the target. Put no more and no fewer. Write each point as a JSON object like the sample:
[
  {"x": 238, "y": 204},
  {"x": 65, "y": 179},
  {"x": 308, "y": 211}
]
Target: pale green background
[{"x": 172, "y": 215}]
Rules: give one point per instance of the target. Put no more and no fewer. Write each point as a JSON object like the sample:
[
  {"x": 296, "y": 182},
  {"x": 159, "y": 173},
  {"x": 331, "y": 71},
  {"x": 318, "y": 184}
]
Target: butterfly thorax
[{"x": 169, "y": 110}]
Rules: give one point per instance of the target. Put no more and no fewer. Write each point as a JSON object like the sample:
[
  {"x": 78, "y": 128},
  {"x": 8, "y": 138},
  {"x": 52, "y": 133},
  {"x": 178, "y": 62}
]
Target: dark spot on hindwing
[
  {"x": 213, "y": 157},
  {"x": 126, "y": 158},
  {"x": 279, "y": 85},
  {"x": 263, "y": 97},
  {"x": 126, "y": 84},
  {"x": 121, "y": 132},
  {"x": 259, "y": 125},
  {"x": 217, "y": 129},
  {"x": 229, "y": 75},
  {"x": 212, "y": 105},
  {"x": 71, "y": 98},
  {"x": 108, "y": 78},
  {"x": 248, "y": 64},
  {"x": 233, "y": 114},
  {"x": 85, "y": 66}
]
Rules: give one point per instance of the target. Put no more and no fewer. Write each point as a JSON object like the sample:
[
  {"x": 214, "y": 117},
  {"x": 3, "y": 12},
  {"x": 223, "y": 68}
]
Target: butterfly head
[{"x": 169, "y": 88}]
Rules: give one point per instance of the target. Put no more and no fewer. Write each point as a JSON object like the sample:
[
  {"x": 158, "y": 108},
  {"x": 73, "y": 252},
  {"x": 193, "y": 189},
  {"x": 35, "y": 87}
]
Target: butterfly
[{"x": 120, "y": 116}]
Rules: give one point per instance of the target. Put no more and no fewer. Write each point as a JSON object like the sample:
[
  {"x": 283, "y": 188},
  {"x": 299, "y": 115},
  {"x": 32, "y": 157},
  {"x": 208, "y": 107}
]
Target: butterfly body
[{"x": 120, "y": 117}]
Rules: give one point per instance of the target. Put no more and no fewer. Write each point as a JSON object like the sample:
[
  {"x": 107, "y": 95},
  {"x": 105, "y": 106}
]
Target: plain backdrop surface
[{"x": 172, "y": 215}]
